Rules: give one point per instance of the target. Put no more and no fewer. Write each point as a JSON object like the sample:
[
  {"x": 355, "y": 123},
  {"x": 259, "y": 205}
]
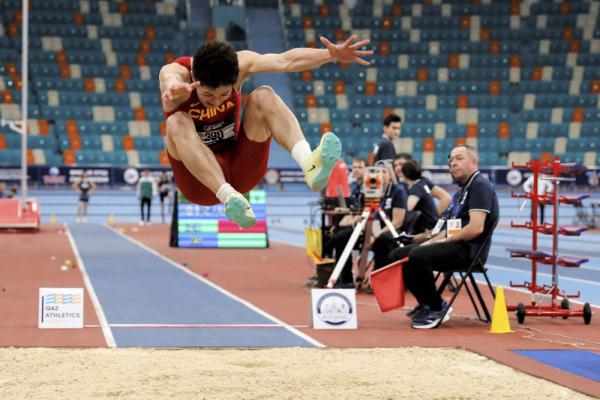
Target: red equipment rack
[{"x": 554, "y": 170}]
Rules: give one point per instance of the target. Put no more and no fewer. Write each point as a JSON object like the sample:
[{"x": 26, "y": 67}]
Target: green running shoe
[
  {"x": 321, "y": 161},
  {"x": 239, "y": 211}
]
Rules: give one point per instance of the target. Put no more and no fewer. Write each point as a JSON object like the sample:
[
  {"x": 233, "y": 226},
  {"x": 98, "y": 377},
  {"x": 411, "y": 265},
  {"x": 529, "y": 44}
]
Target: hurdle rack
[{"x": 554, "y": 171}]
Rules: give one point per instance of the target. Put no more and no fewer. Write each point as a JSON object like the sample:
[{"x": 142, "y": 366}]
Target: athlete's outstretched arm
[{"x": 301, "y": 59}]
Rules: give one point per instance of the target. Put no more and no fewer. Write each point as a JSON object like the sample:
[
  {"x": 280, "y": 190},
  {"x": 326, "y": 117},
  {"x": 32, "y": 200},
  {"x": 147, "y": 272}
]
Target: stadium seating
[
  {"x": 94, "y": 95},
  {"x": 516, "y": 79}
]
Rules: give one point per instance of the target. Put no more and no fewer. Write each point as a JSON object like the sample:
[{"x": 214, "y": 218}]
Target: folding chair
[{"x": 466, "y": 273}]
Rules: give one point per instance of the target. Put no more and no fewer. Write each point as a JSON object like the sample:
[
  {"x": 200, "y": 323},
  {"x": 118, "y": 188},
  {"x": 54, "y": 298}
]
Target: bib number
[{"x": 210, "y": 137}]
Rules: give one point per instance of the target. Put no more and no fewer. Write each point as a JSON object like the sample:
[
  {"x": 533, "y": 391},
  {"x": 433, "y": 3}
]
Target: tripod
[{"x": 366, "y": 221}]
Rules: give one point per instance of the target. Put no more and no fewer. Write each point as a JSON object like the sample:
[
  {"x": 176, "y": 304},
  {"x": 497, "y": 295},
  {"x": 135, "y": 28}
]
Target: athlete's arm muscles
[
  {"x": 293, "y": 60},
  {"x": 175, "y": 85},
  {"x": 301, "y": 59}
]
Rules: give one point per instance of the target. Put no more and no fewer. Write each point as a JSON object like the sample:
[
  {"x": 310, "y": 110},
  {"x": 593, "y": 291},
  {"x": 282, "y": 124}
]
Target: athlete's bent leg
[
  {"x": 183, "y": 144},
  {"x": 266, "y": 114}
]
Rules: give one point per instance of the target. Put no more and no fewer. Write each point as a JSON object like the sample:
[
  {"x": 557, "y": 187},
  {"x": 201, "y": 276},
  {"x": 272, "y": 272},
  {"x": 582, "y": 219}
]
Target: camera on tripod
[{"x": 373, "y": 183}]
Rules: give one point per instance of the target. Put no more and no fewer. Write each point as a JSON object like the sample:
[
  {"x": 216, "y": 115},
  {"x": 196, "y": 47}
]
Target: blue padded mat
[{"x": 579, "y": 362}]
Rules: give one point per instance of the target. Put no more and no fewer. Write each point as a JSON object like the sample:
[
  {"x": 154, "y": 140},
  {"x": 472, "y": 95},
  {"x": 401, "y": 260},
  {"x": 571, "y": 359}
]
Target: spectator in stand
[{"x": 384, "y": 150}]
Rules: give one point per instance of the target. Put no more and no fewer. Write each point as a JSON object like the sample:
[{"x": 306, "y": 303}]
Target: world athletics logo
[
  {"x": 334, "y": 309},
  {"x": 62, "y": 298}
]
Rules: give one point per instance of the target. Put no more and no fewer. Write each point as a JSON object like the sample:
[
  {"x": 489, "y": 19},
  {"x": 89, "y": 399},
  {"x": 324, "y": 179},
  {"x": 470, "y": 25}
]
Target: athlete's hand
[
  {"x": 348, "y": 51},
  {"x": 178, "y": 90}
]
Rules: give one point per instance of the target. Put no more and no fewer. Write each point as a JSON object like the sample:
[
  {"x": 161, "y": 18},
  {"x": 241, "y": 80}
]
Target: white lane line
[
  {"x": 220, "y": 289},
  {"x": 108, "y": 336},
  {"x": 560, "y": 277}
]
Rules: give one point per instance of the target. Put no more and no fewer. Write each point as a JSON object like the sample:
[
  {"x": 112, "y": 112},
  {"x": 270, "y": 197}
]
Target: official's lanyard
[{"x": 456, "y": 206}]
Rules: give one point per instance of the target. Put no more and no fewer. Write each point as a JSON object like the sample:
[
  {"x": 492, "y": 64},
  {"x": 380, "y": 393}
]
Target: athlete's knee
[
  {"x": 263, "y": 96},
  {"x": 178, "y": 124}
]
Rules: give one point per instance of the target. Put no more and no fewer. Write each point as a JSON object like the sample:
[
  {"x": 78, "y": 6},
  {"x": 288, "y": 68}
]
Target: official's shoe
[
  {"x": 417, "y": 311},
  {"x": 432, "y": 318},
  {"x": 239, "y": 211},
  {"x": 321, "y": 161}
]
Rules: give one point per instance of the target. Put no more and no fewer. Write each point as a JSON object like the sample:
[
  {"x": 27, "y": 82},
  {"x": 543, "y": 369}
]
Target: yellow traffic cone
[
  {"x": 111, "y": 219},
  {"x": 500, "y": 323},
  {"x": 52, "y": 219}
]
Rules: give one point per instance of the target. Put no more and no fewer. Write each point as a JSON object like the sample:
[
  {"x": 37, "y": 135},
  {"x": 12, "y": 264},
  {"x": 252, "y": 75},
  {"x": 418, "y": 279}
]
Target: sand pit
[{"x": 344, "y": 374}]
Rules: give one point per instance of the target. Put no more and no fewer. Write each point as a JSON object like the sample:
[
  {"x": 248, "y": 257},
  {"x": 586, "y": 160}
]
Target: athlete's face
[{"x": 211, "y": 97}]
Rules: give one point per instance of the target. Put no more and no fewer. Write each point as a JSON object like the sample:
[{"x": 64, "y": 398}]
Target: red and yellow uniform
[{"x": 243, "y": 161}]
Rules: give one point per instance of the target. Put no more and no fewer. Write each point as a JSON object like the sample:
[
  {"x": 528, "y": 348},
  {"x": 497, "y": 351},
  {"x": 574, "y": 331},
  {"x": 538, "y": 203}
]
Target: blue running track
[{"x": 148, "y": 301}]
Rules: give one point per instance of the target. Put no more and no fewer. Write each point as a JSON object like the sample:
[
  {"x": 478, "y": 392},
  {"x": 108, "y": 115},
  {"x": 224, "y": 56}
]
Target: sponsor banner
[
  {"x": 334, "y": 309},
  {"x": 60, "y": 175},
  {"x": 60, "y": 308}
]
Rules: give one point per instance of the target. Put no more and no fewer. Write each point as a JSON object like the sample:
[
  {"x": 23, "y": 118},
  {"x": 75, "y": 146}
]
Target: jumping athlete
[{"x": 216, "y": 152}]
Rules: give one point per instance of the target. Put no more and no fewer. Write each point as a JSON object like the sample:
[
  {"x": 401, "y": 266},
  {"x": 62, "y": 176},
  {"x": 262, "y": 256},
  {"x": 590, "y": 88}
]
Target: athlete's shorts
[{"x": 244, "y": 165}]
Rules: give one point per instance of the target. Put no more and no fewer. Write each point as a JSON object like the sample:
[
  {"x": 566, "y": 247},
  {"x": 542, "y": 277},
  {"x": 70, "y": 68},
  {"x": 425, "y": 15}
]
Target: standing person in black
[
  {"x": 455, "y": 239},
  {"x": 164, "y": 190},
  {"x": 384, "y": 150},
  {"x": 419, "y": 198},
  {"x": 85, "y": 187},
  {"x": 437, "y": 191}
]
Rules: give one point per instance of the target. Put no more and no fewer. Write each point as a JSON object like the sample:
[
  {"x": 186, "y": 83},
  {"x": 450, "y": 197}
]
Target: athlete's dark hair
[
  {"x": 215, "y": 64},
  {"x": 391, "y": 118},
  {"x": 411, "y": 170}
]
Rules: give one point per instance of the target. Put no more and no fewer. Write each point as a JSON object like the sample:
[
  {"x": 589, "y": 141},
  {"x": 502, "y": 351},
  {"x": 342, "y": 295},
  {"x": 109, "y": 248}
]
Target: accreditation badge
[{"x": 454, "y": 225}]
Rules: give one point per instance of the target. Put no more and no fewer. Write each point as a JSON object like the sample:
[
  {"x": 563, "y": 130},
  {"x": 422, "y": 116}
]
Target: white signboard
[
  {"x": 334, "y": 309},
  {"x": 61, "y": 308}
]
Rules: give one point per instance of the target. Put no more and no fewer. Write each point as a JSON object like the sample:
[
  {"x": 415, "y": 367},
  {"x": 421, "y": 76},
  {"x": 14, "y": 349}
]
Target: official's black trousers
[
  {"x": 338, "y": 242},
  {"x": 145, "y": 203},
  {"x": 382, "y": 247},
  {"x": 423, "y": 260}
]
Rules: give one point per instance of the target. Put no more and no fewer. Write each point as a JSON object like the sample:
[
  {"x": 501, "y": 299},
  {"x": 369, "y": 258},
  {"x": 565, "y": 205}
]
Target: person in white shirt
[
  {"x": 147, "y": 189},
  {"x": 544, "y": 187}
]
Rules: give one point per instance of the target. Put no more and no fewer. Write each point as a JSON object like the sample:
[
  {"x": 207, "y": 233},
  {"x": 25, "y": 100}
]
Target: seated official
[
  {"x": 437, "y": 191},
  {"x": 419, "y": 198},
  {"x": 454, "y": 241},
  {"x": 342, "y": 231},
  {"x": 393, "y": 203}
]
